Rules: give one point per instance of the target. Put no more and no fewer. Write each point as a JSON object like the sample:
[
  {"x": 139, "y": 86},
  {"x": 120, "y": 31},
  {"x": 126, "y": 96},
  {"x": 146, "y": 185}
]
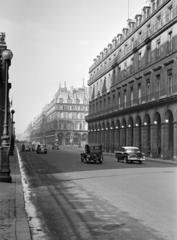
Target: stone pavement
[{"x": 13, "y": 219}]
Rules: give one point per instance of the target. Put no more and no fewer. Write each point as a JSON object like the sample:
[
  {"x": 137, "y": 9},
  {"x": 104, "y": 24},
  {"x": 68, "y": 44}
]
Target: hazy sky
[{"x": 55, "y": 41}]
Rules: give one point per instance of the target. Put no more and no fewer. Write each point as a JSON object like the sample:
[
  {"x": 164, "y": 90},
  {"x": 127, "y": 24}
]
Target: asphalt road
[{"x": 67, "y": 199}]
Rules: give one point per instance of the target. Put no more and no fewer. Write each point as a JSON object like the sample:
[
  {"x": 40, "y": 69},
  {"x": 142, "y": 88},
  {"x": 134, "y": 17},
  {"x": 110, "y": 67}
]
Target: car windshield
[{"x": 132, "y": 150}]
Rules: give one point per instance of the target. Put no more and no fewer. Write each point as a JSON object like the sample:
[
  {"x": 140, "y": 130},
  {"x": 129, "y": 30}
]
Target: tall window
[
  {"x": 148, "y": 89},
  {"x": 158, "y": 48},
  {"x": 158, "y": 85},
  {"x": 100, "y": 105},
  {"x": 104, "y": 105},
  {"x": 170, "y": 45},
  {"x": 170, "y": 83},
  {"x": 139, "y": 92},
  {"x": 148, "y": 49},
  {"x": 125, "y": 97},
  {"x": 119, "y": 99},
  {"x": 153, "y": 5},
  {"x": 113, "y": 99},
  {"x": 139, "y": 59},
  {"x": 170, "y": 13},
  {"x": 131, "y": 96}
]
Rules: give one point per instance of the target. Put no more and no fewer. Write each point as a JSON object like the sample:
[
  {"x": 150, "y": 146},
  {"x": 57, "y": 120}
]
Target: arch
[
  {"x": 112, "y": 138},
  {"x": 117, "y": 134},
  {"x": 138, "y": 132},
  {"x": 130, "y": 132},
  {"x": 95, "y": 133},
  {"x": 103, "y": 135},
  {"x": 146, "y": 135},
  {"x": 156, "y": 136},
  {"x": 107, "y": 142},
  {"x": 99, "y": 133},
  {"x": 168, "y": 135},
  {"x": 123, "y": 131}
]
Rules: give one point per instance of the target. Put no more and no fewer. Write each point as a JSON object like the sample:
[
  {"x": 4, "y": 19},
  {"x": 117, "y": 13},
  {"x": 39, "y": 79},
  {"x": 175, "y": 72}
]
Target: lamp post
[
  {"x": 12, "y": 134},
  {"x": 6, "y": 56}
]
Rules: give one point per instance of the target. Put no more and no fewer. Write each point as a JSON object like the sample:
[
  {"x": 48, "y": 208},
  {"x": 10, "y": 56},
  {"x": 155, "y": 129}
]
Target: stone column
[{"x": 175, "y": 141}]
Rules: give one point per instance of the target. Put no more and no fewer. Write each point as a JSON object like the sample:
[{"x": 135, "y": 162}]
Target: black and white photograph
[{"x": 88, "y": 120}]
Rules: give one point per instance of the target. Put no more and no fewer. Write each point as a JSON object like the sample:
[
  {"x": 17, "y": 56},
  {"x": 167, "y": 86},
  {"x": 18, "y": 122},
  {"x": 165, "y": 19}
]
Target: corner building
[
  {"x": 62, "y": 121},
  {"x": 133, "y": 85}
]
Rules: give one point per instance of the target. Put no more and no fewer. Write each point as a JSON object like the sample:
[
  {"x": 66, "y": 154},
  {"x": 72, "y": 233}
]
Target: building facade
[
  {"x": 62, "y": 121},
  {"x": 133, "y": 85}
]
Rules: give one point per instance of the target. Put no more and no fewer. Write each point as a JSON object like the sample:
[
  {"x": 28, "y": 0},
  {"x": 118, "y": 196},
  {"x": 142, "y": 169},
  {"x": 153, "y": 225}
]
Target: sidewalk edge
[{"x": 22, "y": 225}]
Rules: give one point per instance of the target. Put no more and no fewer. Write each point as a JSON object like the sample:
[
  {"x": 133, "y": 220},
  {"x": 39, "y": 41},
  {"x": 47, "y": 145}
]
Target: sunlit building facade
[
  {"x": 133, "y": 85},
  {"x": 62, "y": 121}
]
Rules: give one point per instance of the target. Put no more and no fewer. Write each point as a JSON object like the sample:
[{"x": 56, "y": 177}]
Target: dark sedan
[
  {"x": 129, "y": 154},
  {"x": 41, "y": 149}
]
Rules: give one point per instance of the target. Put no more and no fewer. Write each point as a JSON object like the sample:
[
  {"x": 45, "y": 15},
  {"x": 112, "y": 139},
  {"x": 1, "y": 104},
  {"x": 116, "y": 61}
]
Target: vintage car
[
  {"x": 41, "y": 148},
  {"x": 93, "y": 154},
  {"x": 129, "y": 154}
]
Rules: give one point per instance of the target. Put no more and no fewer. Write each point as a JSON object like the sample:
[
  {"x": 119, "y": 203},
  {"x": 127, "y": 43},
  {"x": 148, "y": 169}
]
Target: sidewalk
[
  {"x": 160, "y": 160},
  {"x": 13, "y": 218}
]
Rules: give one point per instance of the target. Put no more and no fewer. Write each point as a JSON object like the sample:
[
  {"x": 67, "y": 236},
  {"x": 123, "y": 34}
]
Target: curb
[
  {"x": 22, "y": 224},
  {"x": 148, "y": 159}
]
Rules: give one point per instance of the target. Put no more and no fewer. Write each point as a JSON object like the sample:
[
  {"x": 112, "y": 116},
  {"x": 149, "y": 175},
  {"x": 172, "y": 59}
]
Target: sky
[{"x": 54, "y": 41}]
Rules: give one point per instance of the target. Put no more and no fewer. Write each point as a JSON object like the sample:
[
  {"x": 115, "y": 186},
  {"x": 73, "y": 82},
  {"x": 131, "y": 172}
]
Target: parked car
[
  {"x": 28, "y": 148},
  {"x": 129, "y": 154},
  {"x": 93, "y": 153},
  {"x": 41, "y": 149}
]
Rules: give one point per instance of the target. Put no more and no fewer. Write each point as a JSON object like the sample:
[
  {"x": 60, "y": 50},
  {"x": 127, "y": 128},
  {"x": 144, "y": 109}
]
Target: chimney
[
  {"x": 131, "y": 25},
  {"x": 146, "y": 11},
  {"x": 125, "y": 32},
  {"x": 119, "y": 38},
  {"x": 138, "y": 18}
]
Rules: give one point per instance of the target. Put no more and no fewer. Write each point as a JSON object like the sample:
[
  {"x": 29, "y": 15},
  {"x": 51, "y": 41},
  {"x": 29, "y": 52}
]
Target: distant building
[
  {"x": 133, "y": 85},
  {"x": 62, "y": 121}
]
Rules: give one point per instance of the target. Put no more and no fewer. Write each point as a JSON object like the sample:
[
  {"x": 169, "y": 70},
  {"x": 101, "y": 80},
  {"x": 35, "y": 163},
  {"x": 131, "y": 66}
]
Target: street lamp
[
  {"x": 12, "y": 134},
  {"x": 6, "y": 56}
]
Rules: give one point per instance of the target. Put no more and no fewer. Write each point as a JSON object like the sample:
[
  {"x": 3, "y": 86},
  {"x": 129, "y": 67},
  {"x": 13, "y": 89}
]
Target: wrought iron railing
[
  {"x": 153, "y": 29},
  {"x": 154, "y": 96}
]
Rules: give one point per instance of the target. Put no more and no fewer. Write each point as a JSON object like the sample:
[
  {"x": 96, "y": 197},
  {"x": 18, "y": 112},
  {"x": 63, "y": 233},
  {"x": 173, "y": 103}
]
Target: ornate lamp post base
[{"x": 4, "y": 163}]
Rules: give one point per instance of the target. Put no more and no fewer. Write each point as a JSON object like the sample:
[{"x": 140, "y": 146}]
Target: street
[{"x": 67, "y": 199}]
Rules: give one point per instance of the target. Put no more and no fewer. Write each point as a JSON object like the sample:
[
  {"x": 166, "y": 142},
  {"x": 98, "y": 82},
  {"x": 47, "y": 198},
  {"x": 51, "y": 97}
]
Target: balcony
[
  {"x": 163, "y": 96},
  {"x": 145, "y": 36}
]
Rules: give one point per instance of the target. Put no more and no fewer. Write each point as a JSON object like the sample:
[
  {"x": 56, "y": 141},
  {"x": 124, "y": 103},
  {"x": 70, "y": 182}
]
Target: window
[
  {"x": 119, "y": 99},
  {"x": 132, "y": 43},
  {"x": 132, "y": 64},
  {"x": 170, "y": 45},
  {"x": 148, "y": 49},
  {"x": 148, "y": 29},
  {"x": 148, "y": 89},
  {"x": 139, "y": 92},
  {"x": 131, "y": 96},
  {"x": 170, "y": 83},
  {"x": 158, "y": 48},
  {"x": 158, "y": 3},
  {"x": 125, "y": 97},
  {"x": 153, "y": 5},
  {"x": 158, "y": 85},
  {"x": 139, "y": 60},
  {"x": 169, "y": 16},
  {"x": 109, "y": 101},
  {"x": 125, "y": 49},
  {"x": 113, "y": 99}
]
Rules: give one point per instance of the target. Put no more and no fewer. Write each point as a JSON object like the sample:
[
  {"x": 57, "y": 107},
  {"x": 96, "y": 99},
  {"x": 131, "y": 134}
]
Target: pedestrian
[{"x": 23, "y": 147}]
